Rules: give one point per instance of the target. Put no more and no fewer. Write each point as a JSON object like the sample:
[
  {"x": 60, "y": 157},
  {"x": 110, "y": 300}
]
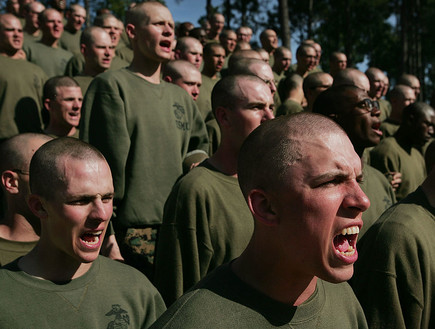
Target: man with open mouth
[
  {"x": 352, "y": 108},
  {"x": 300, "y": 177},
  {"x": 63, "y": 282},
  {"x": 148, "y": 130}
]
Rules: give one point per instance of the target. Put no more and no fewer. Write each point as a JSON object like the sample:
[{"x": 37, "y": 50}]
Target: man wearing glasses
[{"x": 358, "y": 115}]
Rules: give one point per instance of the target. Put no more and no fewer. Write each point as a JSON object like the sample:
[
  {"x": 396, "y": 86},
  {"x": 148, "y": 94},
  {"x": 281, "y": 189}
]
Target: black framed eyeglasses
[{"x": 368, "y": 105}]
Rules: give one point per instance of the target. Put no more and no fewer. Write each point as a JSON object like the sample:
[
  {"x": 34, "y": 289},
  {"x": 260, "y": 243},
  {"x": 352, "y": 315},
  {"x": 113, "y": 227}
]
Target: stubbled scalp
[
  {"x": 278, "y": 144},
  {"x": 45, "y": 172}
]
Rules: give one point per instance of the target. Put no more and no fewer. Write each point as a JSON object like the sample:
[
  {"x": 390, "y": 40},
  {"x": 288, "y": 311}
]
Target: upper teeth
[
  {"x": 95, "y": 233},
  {"x": 350, "y": 230}
]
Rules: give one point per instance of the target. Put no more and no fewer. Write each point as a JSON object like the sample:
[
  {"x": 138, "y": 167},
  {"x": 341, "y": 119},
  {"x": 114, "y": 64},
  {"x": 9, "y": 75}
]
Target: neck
[
  {"x": 301, "y": 72},
  {"x": 403, "y": 138},
  {"x": 268, "y": 274},
  {"x": 59, "y": 130},
  {"x": 29, "y": 29},
  {"x": 48, "y": 263},
  {"x": 70, "y": 29},
  {"x": 225, "y": 159},
  {"x": 209, "y": 72},
  {"x": 16, "y": 227},
  {"x": 92, "y": 72},
  {"x": 212, "y": 35},
  {"x": 276, "y": 70},
  {"x": 146, "y": 69},
  {"x": 49, "y": 41}
]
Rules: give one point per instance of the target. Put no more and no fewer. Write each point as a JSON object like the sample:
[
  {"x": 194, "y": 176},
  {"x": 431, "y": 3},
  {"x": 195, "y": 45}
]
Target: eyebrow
[{"x": 337, "y": 174}]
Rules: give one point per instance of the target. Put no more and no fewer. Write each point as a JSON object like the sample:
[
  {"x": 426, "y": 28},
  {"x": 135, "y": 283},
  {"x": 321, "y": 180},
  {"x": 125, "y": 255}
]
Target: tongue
[
  {"x": 88, "y": 237},
  {"x": 341, "y": 243}
]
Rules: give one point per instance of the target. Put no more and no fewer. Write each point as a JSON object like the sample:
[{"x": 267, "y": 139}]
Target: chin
[{"x": 339, "y": 275}]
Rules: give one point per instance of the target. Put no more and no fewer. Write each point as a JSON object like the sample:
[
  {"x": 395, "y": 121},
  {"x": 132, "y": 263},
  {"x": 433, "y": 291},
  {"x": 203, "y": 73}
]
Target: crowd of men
[{"x": 147, "y": 183}]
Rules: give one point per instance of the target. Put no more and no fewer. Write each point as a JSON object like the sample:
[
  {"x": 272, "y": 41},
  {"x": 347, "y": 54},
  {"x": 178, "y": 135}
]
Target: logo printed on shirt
[
  {"x": 179, "y": 113},
  {"x": 122, "y": 319}
]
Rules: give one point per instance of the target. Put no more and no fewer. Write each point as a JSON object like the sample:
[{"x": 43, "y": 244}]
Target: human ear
[
  {"x": 36, "y": 206},
  {"x": 10, "y": 181},
  {"x": 167, "y": 79},
  {"x": 130, "y": 29},
  {"x": 221, "y": 114},
  {"x": 47, "y": 104},
  {"x": 83, "y": 48},
  {"x": 260, "y": 204}
]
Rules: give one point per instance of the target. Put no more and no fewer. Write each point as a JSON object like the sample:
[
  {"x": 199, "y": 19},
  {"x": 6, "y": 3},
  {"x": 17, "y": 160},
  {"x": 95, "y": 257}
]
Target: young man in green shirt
[
  {"x": 47, "y": 52},
  {"x": 400, "y": 152},
  {"x": 63, "y": 280},
  {"x": 300, "y": 177},
  {"x": 147, "y": 129},
  {"x": 20, "y": 83},
  {"x": 206, "y": 221}
]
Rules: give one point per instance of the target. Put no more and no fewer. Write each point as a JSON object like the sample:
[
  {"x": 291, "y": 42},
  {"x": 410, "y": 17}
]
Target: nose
[
  {"x": 431, "y": 130},
  {"x": 356, "y": 199},
  {"x": 268, "y": 114},
  {"x": 195, "y": 90},
  {"x": 375, "y": 111},
  {"x": 272, "y": 87},
  {"x": 101, "y": 211},
  {"x": 168, "y": 30},
  {"x": 77, "y": 104}
]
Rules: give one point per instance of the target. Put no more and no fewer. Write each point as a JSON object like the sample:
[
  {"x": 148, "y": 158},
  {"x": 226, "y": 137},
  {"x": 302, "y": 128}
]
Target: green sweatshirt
[
  {"x": 380, "y": 193},
  {"x": 70, "y": 41},
  {"x": 395, "y": 274},
  {"x": 224, "y": 301},
  {"x": 21, "y": 86},
  {"x": 206, "y": 223},
  {"x": 145, "y": 131},
  {"x": 109, "y": 295},
  {"x": 52, "y": 60},
  {"x": 389, "y": 156},
  {"x": 11, "y": 250}
]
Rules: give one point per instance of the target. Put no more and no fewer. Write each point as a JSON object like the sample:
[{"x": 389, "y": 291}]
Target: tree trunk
[{"x": 285, "y": 23}]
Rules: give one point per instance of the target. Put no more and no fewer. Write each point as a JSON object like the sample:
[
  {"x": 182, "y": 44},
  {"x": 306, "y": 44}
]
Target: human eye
[
  {"x": 330, "y": 181},
  {"x": 107, "y": 198},
  {"x": 80, "y": 201}
]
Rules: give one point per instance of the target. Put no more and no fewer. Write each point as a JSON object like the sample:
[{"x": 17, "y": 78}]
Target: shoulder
[
  {"x": 386, "y": 146},
  {"x": 111, "y": 80},
  {"x": 405, "y": 224},
  {"x": 117, "y": 269},
  {"x": 373, "y": 174}
]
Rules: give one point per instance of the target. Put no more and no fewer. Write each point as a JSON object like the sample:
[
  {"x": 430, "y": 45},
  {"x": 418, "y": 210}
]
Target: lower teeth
[{"x": 350, "y": 252}]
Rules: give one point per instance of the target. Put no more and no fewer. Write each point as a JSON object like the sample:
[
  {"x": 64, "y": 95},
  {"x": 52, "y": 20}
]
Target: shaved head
[
  {"x": 46, "y": 173},
  {"x": 139, "y": 13},
  {"x": 16, "y": 152},
  {"x": 354, "y": 77},
  {"x": 276, "y": 145}
]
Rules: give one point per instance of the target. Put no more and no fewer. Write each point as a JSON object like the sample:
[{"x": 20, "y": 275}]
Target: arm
[
  {"x": 104, "y": 125},
  {"x": 184, "y": 249}
]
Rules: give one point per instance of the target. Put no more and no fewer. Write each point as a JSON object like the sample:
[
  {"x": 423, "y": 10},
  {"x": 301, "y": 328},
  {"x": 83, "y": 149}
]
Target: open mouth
[
  {"x": 166, "y": 45},
  {"x": 91, "y": 239},
  {"x": 376, "y": 129},
  {"x": 345, "y": 242}
]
